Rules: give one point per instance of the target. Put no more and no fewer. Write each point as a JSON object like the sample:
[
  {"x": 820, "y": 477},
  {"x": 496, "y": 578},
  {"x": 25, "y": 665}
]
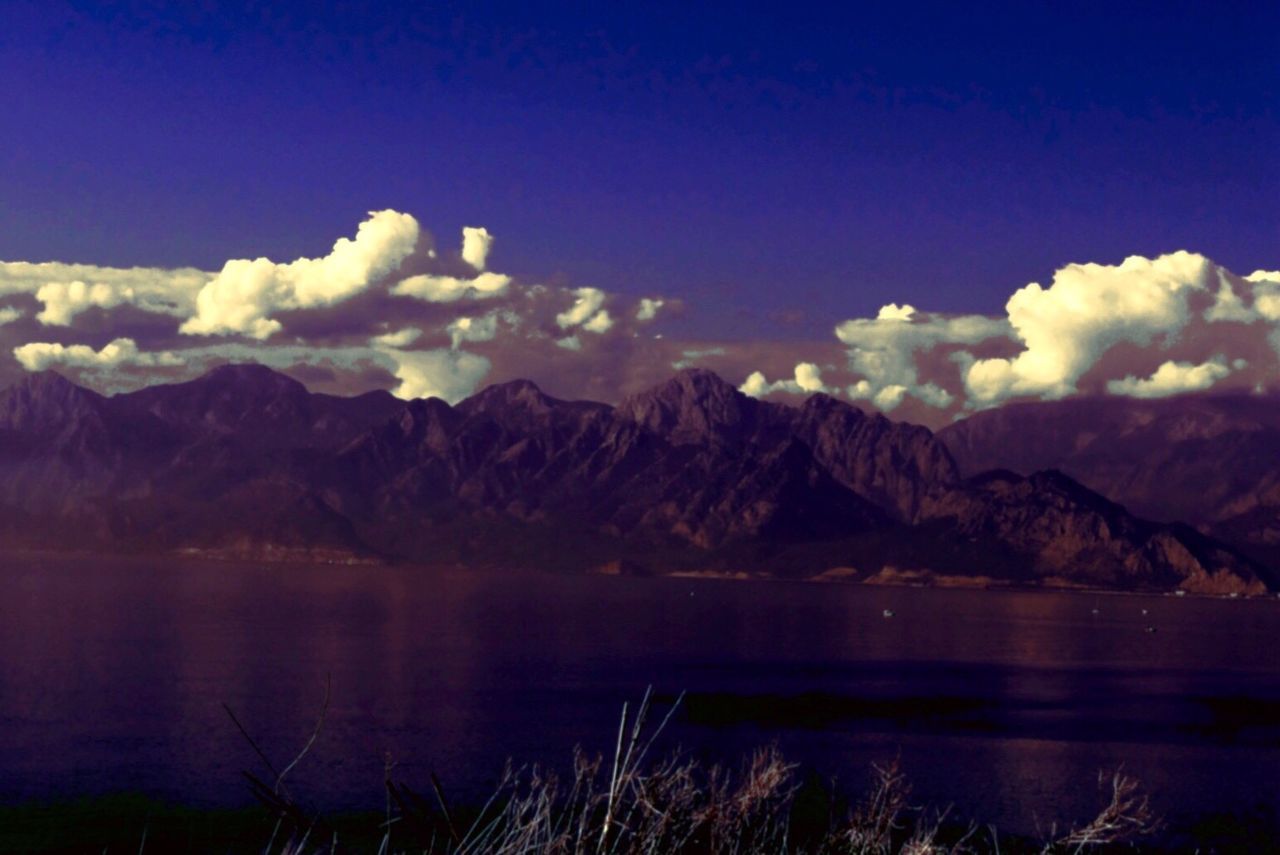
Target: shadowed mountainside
[
  {"x": 688, "y": 476},
  {"x": 1212, "y": 461}
]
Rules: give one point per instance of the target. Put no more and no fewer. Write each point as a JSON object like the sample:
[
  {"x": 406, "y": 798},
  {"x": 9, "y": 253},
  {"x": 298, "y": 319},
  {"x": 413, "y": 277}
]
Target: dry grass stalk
[
  {"x": 1126, "y": 816},
  {"x": 675, "y": 806}
]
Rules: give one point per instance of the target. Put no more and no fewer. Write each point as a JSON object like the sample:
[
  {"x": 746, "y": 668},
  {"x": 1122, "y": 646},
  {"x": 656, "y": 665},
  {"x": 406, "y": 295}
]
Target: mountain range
[
  {"x": 689, "y": 476},
  {"x": 1212, "y": 461}
]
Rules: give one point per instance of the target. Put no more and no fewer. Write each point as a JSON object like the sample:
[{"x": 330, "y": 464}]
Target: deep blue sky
[{"x": 767, "y": 158}]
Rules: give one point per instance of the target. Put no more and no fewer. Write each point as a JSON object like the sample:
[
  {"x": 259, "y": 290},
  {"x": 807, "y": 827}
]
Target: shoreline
[{"x": 888, "y": 577}]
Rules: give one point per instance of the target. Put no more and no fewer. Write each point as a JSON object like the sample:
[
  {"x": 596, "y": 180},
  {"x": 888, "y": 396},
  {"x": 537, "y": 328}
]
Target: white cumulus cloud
[
  {"x": 586, "y": 312},
  {"x": 894, "y": 312},
  {"x": 808, "y": 380},
  {"x": 450, "y": 289},
  {"x": 399, "y": 338},
  {"x": 600, "y": 322},
  {"x": 448, "y": 374},
  {"x": 38, "y": 355},
  {"x": 484, "y": 328},
  {"x": 1173, "y": 378},
  {"x": 476, "y": 243},
  {"x": 883, "y": 351},
  {"x": 887, "y": 398},
  {"x": 1264, "y": 287},
  {"x": 648, "y": 308},
  {"x": 242, "y": 297},
  {"x": 1088, "y": 309},
  {"x": 66, "y": 290}
]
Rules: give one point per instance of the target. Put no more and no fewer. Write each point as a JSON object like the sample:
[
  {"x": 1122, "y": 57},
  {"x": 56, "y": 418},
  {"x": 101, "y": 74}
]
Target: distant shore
[{"x": 885, "y": 577}]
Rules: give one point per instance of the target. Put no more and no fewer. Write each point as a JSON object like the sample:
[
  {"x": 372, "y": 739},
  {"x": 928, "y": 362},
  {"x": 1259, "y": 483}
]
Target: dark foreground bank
[
  {"x": 630, "y": 801},
  {"x": 624, "y": 802}
]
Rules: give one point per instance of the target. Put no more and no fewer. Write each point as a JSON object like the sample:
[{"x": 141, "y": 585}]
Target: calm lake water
[{"x": 113, "y": 675}]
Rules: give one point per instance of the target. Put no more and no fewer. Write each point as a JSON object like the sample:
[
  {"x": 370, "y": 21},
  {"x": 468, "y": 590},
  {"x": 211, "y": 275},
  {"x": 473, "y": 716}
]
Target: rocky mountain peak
[
  {"x": 695, "y": 406},
  {"x": 238, "y": 398},
  {"x": 821, "y": 402},
  {"x": 250, "y": 377},
  {"x": 45, "y": 400},
  {"x": 518, "y": 394}
]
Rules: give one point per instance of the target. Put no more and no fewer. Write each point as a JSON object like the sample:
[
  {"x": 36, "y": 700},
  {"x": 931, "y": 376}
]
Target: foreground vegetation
[{"x": 626, "y": 803}]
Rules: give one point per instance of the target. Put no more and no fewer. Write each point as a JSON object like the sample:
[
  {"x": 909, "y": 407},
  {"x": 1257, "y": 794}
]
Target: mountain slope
[
  {"x": 1211, "y": 461},
  {"x": 691, "y": 474},
  {"x": 1055, "y": 528}
]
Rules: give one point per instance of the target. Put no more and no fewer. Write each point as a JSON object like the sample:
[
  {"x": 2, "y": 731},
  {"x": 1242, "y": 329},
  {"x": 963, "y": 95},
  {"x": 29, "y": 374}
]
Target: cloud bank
[
  {"x": 1146, "y": 328},
  {"x": 38, "y": 355},
  {"x": 384, "y": 308},
  {"x": 67, "y": 290}
]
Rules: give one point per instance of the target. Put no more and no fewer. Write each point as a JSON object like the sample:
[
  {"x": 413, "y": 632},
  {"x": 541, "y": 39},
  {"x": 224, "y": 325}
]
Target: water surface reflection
[{"x": 112, "y": 676}]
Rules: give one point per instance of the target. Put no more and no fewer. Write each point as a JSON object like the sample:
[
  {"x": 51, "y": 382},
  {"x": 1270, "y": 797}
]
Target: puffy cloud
[
  {"x": 1097, "y": 324},
  {"x": 399, "y": 338},
  {"x": 448, "y": 374},
  {"x": 586, "y": 312},
  {"x": 1227, "y": 305},
  {"x": 894, "y": 312},
  {"x": 884, "y": 350},
  {"x": 808, "y": 380},
  {"x": 450, "y": 289},
  {"x": 354, "y": 318},
  {"x": 648, "y": 308},
  {"x": 476, "y": 243},
  {"x": 473, "y": 329},
  {"x": 889, "y": 397},
  {"x": 64, "y": 300},
  {"x": 444, "y": 288},
  {"x": 1265, "y": 288},
  {"x": 241, "y": 298},
  {"x": 600, "y": 322},
  {"x": 37, "y": 356},
  {"x": 1262, "y": 288},
  {"x": 66, "y": 290},
  {"x": 1173, "y": 378},
  {"x": 756, "y": 385},
  {"x": 1143, "y": 327},
  {"x": 1088, "y": 309}
]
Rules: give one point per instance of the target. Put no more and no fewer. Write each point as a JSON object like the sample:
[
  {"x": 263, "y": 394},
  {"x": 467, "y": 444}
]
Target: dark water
[{"x": 1006, "y": 705}]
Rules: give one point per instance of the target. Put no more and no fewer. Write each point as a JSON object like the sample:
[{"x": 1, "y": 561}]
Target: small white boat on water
[{"x": 888, "y": 613}]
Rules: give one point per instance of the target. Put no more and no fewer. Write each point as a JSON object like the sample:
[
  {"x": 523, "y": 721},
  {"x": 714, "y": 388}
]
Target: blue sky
[
  {"x": 779, "y": 168},
  {"x": 935, "y": 153}
]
